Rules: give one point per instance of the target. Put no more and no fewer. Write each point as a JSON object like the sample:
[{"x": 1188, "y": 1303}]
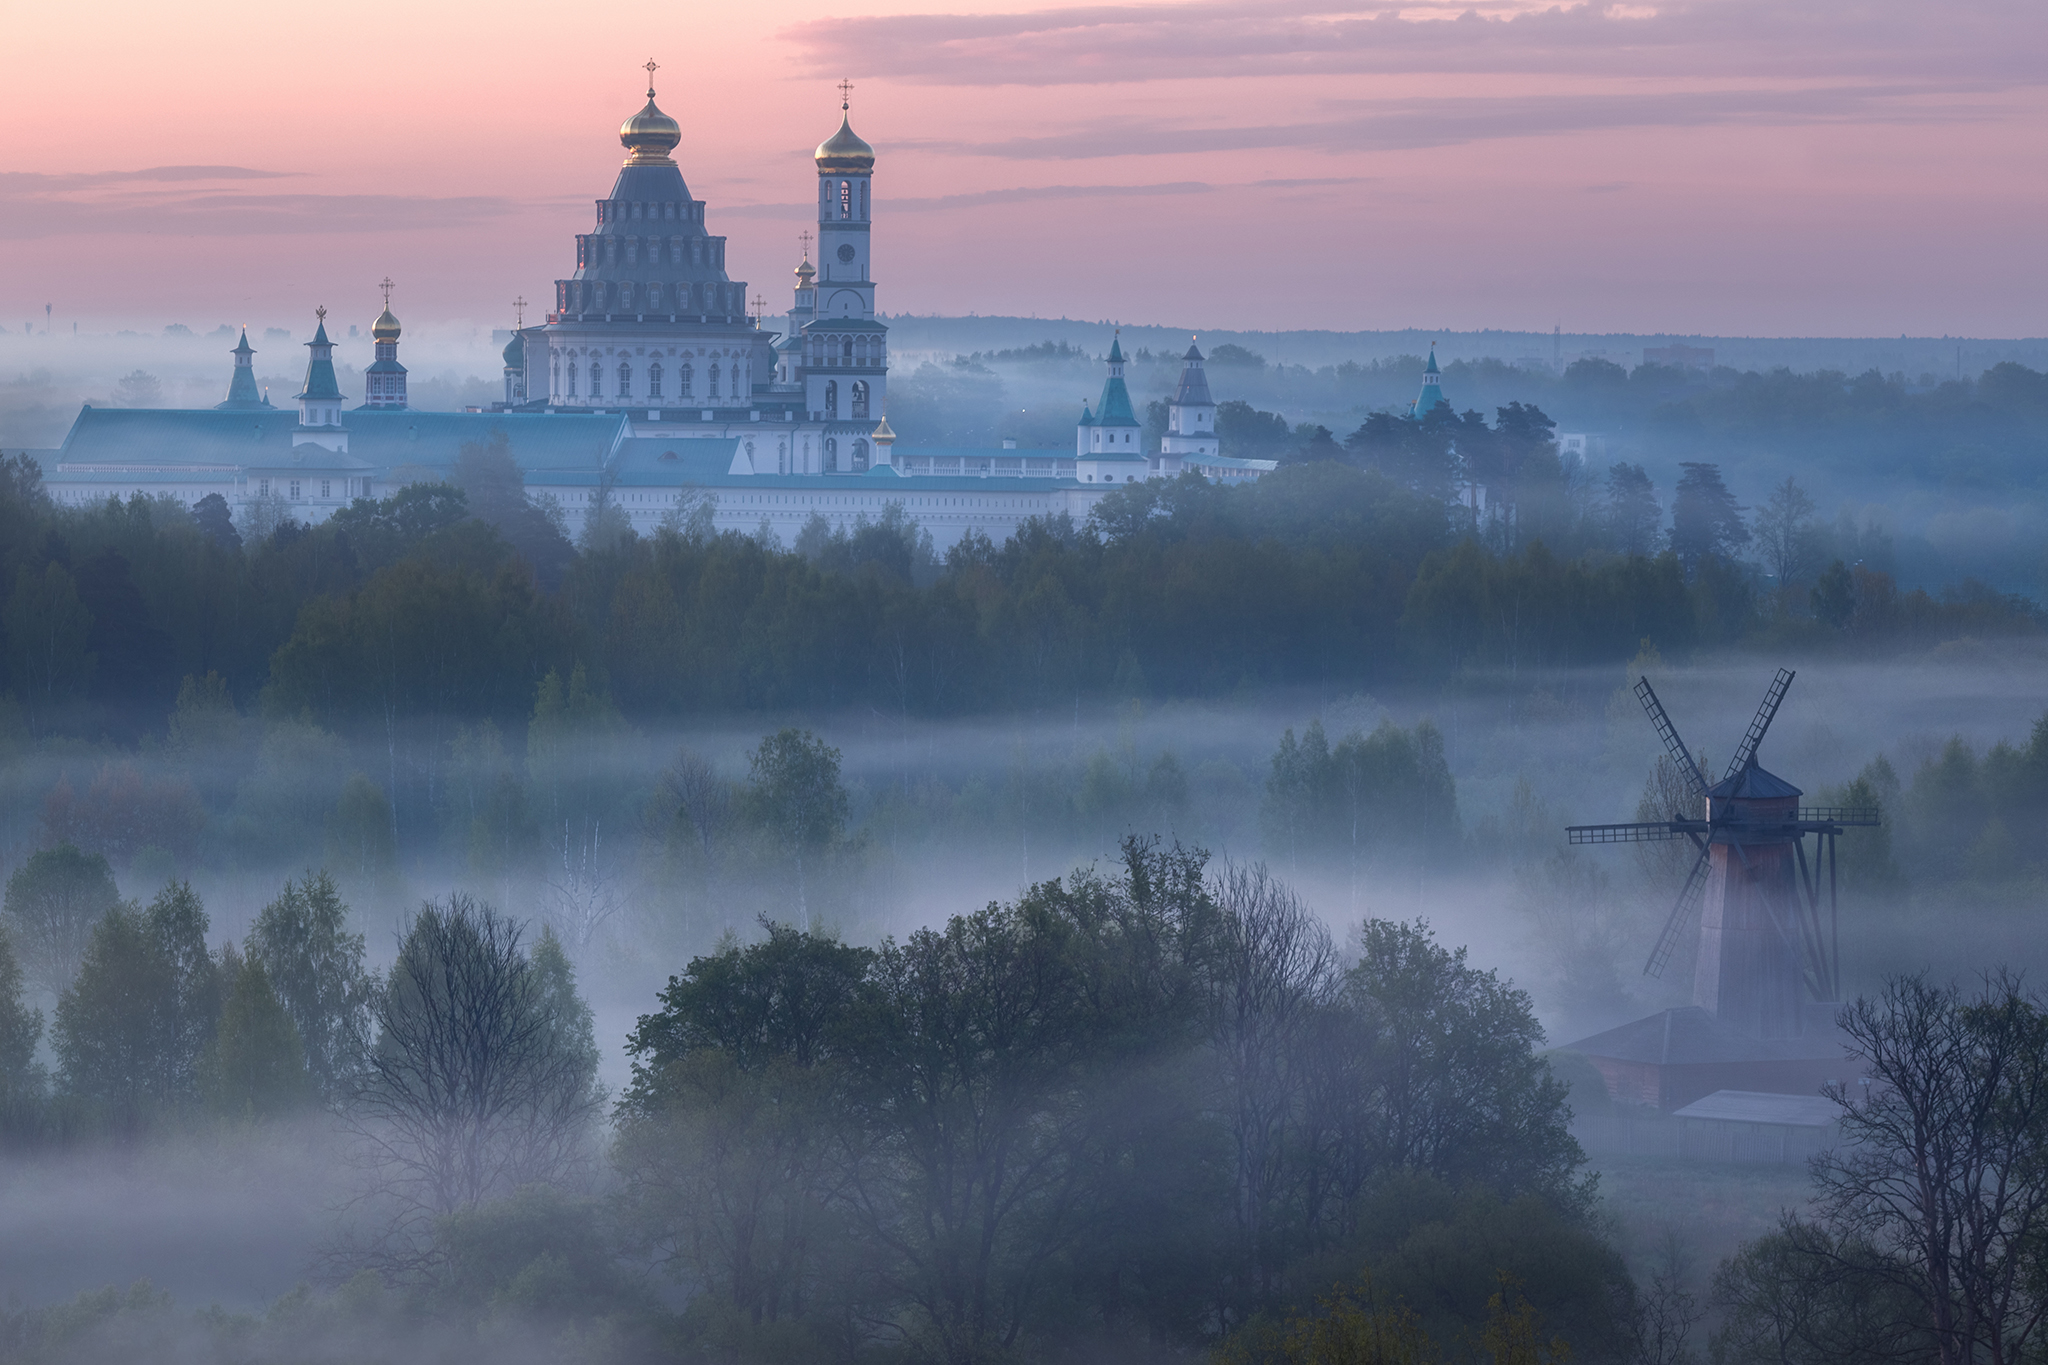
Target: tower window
[
  {"x": 831, "y": 398},
  {"x": 860, "y": 398},
  {"x": 846, "y": 199}
]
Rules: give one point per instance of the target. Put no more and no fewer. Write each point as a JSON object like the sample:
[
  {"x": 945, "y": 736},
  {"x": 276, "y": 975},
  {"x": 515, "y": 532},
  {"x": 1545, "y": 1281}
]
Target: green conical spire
[
  {"x": 320, "y": 382},
  {"x": 242, "y": 392}
]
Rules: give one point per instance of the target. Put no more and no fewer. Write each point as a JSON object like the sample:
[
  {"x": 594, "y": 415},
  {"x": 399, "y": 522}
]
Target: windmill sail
[
  {"x": 1765, "y": 714},
  {"x": 1689, "y": 898},
  {"x": 1668, "y": 732}
]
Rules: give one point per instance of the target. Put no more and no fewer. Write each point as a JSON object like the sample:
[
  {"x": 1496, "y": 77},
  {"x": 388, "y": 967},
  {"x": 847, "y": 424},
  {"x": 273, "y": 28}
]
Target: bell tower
[{"x": 845, "y": 350}]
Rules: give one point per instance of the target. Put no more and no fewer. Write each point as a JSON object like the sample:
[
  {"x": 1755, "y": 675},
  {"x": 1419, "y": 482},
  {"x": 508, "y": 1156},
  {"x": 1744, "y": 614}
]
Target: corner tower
[
  {"x": 845, "y": 351},
  {"x": 1432, "y": 388},
  {"x": 242, "y": 393},
  {"x": 1190, "y": 417}
]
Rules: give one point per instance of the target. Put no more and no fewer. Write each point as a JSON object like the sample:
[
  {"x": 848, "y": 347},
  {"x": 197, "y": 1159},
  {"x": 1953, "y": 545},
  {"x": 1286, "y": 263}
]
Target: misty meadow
[{"x": 430, "y": 936}]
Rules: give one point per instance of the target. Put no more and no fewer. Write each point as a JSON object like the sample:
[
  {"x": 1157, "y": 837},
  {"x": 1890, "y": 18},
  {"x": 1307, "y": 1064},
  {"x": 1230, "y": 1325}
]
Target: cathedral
[{"x": 652, "y": 385}]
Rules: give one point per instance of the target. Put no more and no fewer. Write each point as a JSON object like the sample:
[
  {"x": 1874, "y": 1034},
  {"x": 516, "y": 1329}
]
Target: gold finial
[
  {"x": 804, "y": 238},
  {"x": 845, "y": 95},
  {"x": 321, "y": 312},
  {"x": 651, "y": 67},
  {"x": 385, "y": 285},
  {"x": 760, "y": 307},
  {"x": 519, "y": 310}
]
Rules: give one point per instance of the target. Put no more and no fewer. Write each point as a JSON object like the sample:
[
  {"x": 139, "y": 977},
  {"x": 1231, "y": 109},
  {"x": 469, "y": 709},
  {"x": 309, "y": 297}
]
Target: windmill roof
[
  {"x": 1690, "y": 1035},
  {"x": 1753, "y": 784}
]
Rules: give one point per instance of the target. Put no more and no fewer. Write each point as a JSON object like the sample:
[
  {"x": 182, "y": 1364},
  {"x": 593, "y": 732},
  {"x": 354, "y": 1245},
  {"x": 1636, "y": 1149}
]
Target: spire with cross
[
  {"x": 519, "y": 311},
  {"x": 845, "y": 95},
  {"x": 651, "y": 67},
  {"x": 385, "y": 285},
  {"x": 804, "y": 239}
]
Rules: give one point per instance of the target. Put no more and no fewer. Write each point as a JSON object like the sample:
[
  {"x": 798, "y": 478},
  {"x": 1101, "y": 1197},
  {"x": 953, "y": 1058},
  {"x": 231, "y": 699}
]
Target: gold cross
[
  {"x": 519, "y": 310},
  {"x": 386, "y": 287},
  {"x": 651, "y": 67},
  {"x": 760, "y": 307},
  {"x": 321, "y": 312},
  {"x": 845, "y": 92},
  {"x": 805, "y": 238}
]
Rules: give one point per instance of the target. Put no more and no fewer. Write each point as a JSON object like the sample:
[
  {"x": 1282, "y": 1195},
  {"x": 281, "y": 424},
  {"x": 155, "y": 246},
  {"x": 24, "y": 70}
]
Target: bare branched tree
[
  {"x": 483, "y": 1077},
  {"x": 581, "y": 892},
  {"x": 1940, "y": 1165},
  {"x": 1275, "y": 967}
]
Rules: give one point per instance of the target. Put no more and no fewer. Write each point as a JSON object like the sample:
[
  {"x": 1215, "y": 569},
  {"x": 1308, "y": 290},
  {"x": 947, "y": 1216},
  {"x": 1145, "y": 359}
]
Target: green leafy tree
[
  {"x": 361, "y": 839},
  {"x": 1635, "y": 520},
  {"x": 314, "y": 965},
  {"x": 48, "y": 631},
  {"x": 1833, "y": 598},
  {"x": 21, "y": 1078},
  {"x": 1706, "y": 523},
  {"x": 257, "y": 1067},
  {"x": 132, "y": 1028},
  {"x": 796, "y": 798},
  {"x": 54, "y": 900}
]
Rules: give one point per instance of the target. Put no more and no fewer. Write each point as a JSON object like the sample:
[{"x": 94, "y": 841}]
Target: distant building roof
[
  {"x": 1754, "y": 1106},
  {"x": 1690, "y": 1035}
]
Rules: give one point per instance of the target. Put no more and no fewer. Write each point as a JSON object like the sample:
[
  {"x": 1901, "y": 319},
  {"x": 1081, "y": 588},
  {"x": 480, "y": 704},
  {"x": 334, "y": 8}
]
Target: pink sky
[{"x": 1729, "y": 166}]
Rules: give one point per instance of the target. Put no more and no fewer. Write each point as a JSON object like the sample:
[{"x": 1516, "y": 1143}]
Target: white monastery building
[{"x": 651, "y": 386}]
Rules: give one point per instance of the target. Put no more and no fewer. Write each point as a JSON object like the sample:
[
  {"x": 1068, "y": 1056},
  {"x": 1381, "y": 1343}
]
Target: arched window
[
  {"x": 654, "y": 298},
  {"x": 625, "y": 380},
  {"x": 846, "y": 349},
  {"x": 846, "y": 199},
  {"x": 555, "y": 376},
  {"x": 831, "y": 454},
  {"x": 860, "y": 398},
  {"x": 831, "y": 398},
  {"x": 713, "y": 391},
  {"x": 688, "y": 375},
  {"x": 596, "y": 373},
  {"x": 572, "y": 379},
  {"x": 654, "y": 380},
  {"x": 626, "y": 296},
  {"x": 860, "y": 457}
]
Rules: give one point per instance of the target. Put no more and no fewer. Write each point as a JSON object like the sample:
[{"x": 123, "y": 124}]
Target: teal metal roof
[
  {"x": 1115, "y": 408},
  {"x": 387, "y": 438},
  {"x": 320, "y": 383}
]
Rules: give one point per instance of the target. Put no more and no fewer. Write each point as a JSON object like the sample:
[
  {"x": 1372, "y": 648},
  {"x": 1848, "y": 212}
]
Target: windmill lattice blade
[
  {"x": 1668, "y": 732},
  {"x": 1688, "y": 905},
  {"x": 1765, "y": 714}
]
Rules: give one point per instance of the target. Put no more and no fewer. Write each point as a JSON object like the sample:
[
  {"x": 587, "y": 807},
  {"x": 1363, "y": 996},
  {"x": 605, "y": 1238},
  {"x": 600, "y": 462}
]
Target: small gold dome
[
  {"x": 844, "y": 153},
  {"x": 650, "y": 136},
  {"x": 805, "y": 273},
  {"x": 385, "y": 328},
  {"x": 882, "y": 435}
]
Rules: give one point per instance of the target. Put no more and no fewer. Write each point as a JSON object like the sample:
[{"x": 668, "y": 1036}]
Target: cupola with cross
[{"x": 384, "y": 380}]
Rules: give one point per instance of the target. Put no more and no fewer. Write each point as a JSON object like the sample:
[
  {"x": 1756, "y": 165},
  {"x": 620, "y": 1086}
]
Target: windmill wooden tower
[{"x": 1767, "y": 944}]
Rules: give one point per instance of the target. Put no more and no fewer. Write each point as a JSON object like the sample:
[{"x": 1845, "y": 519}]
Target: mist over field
[{"x": 1155, "y": 935}]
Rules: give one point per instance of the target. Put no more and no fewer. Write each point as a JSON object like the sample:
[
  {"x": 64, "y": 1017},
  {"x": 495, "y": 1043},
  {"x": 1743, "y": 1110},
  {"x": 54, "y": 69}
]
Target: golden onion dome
[
  {"x": 805, "y": 273},
  {"x": 385, "y": 328},
  {"x": 844, "y": 153},
  {"x": 650, "y": 135}
]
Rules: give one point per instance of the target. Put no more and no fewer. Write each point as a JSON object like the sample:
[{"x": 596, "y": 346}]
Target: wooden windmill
[{"x": 1767, "y": 946}]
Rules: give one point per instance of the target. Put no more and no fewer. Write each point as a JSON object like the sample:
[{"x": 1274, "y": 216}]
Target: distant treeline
[{"x": 430, "y": 604}]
